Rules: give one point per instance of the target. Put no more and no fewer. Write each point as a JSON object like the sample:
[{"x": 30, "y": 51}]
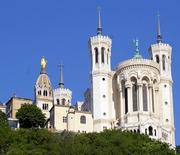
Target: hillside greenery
[{"x": 110, "y": 142}]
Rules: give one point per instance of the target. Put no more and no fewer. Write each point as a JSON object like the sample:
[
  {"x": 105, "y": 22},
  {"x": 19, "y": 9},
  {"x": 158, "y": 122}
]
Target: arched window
[
  {"x": 96, "y": 55},
  {"x": 83, "y": 119},
  {"x": 138, "y": 131},
  {"x": 58, "y": 101},
  {"x": 44, "y": 93},
  {"x": 146, "y": 131},
  {"x": 102, "y": 54},
  {"x": 157, "y": 58},
  {"x": 134, "y": 93},
  {"x": 154, "y": 132},
  {"x": 145, "y": 105},
  {"x": 39, "y": 92},
  {"x": 63, "y": 101},
  {"x": 125, "y": 96},
  {"x": 150, "y": 130},
  {"x": 164, "y": 62}
]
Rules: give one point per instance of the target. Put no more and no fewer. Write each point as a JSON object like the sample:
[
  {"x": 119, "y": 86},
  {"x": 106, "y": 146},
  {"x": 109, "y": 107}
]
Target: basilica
[{"x": 136, "y": 96}]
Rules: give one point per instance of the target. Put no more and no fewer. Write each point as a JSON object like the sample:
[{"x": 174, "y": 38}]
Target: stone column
[
  {"x": 150, "y": 98},
  {"x": 122, "y": 105},
  {"x": 129, "y": 91},
  {"x": 140, "y": 97}
]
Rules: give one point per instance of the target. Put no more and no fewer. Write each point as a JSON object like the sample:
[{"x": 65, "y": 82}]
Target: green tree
[
  {"x": 3, "y": 119},
  {"x": 30, "y": 116}
]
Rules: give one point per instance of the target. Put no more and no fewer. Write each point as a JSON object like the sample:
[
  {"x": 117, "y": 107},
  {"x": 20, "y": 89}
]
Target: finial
[
  {"x": 43, "y": 65},
  {"x": 99, "y": 29},
  {"x": 61, "y": 81},
  {"x": 159, "y": 37},
  {"x": 137, "y": 52}
]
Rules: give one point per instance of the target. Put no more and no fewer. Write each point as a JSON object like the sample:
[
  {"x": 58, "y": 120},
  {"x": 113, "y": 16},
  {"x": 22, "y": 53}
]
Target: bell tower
[
  {"x": 161, "y": 54},
  {"x": 101, "y": 79},
  {"x": 43, "y": 90}
]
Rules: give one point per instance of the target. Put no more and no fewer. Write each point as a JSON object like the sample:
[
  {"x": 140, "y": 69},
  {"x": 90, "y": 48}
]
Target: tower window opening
[
  {"x": 63, "y": 101},
  {"x": 164, "y": 62},
  {"x": 157, "y": 59},
  {"x": 102, "y": 54},
  {"x": 58, "y": 101},
  {"x": 45, "y": 106},
  {"x": 96, "y": 55},
  {"x": 103, "y": 79}
]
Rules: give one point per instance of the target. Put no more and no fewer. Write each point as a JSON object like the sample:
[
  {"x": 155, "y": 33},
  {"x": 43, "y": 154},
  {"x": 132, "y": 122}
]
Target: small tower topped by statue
[{"x": 43, "y": 90}]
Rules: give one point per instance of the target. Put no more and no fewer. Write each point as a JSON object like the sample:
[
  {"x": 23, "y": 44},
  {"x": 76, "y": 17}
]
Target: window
[
  {"x": 103, "y": 79},
  {"x": 45, "y": 106},
  {"x": 102, "y": 54},
  {"x": 104, "y": 114},
  {"x": 145, "y": 105},
  {"x": 45, "y": 93},
  {"x": 167, "y": 120},
  {"x": 146, "y": 131},
  {"x": 138, "y": 131},
  {"x": 150, "y": 130},
  {"x": 58, "y": 101},
  {"x": 154, "y": 132},
  {"x": 157, "y": 58},
  {"x": 63, "y": 101},
  {"x": 39, "y": 92},
  {"x": 166, "y": 103},
  {"x": 83, "y": 119},
  {"x": 104, "y": 96},
  {"x": 96, "y": 55},
  {"x": 164, "y": 62},
  {"x": 64, "y": 119}
]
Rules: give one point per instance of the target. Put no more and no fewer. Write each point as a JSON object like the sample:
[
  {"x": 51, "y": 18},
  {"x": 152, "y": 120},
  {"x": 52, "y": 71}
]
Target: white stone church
[{"x": 137, "y": 96}]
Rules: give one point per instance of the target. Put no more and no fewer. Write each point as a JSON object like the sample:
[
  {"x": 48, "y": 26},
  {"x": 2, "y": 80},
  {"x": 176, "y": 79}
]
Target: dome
[{"x": 43, "y": 81}]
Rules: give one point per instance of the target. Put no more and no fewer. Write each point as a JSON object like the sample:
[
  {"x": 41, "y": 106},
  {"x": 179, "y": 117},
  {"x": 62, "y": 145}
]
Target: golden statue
[{"x": 43, "y": 62}]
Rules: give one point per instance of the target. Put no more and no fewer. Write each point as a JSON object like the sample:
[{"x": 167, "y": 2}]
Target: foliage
[
  {"x": 30, "y": 116},
  {"x": 3, "y": 119},
  {"x": 42, "y": 142}
]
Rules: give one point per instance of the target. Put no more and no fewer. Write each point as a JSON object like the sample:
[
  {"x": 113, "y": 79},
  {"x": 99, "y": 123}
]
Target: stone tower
[
  {"x": 62, "y": 96},
  {"x": 43, "y": 90},
  {"x": 101, "y": 80},
  {"x": 161, "y": 54}
]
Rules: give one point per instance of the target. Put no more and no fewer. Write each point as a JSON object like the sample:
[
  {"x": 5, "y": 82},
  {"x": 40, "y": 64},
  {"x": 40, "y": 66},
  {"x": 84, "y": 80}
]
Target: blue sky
[{"x": 60, "y": 29}]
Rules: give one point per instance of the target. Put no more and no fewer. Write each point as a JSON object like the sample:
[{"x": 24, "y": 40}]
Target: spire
[
  {"x": 159, "y": 37},
  {"x": 61, "y": 81},
  {"x": 43, "y": 65},
  {"x": 99, "y": 29},
  {"x": 137, "y": 52}
]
